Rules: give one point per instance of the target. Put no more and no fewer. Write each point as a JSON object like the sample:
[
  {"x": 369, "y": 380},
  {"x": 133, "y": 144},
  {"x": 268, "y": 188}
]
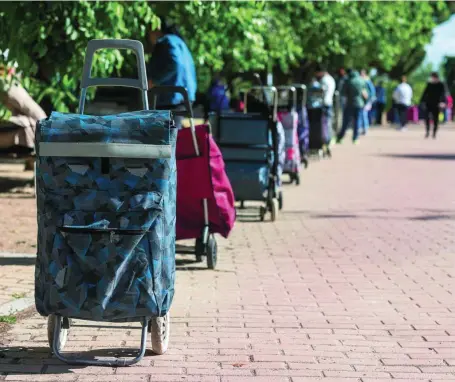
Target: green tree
[{"x": 48, "y": 40}]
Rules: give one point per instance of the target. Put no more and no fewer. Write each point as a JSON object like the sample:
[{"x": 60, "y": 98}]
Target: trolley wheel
[
  {"x": 297, "y": 179},
  {"x": 280, "y": 200},
  {"x": 274, "y": 209},
  {"x": 305, "y": 162},
  {"x": 51, "y": 321},
  {"x": 262, "y": 212},
  {"x": 199, "y": 249},
  {"x": 212, "y": 252},
  {"x": 160, "y": 330}
]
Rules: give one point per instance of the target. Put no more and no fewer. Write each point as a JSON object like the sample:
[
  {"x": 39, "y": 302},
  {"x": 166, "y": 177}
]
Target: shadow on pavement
[
  {"x": 422, "y": 156},
  {"x": 20, "y": 360},
  {"x": 17, "y": 260},
  {"x": 7, "y": 184},
  {"x": 442, "y": 215}
]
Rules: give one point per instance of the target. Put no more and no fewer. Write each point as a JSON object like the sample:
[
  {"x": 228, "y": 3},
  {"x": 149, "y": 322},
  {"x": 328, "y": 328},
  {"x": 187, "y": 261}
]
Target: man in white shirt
[
  {"x": 402, "y": 96},
  {"x": 328, "y": 84}
]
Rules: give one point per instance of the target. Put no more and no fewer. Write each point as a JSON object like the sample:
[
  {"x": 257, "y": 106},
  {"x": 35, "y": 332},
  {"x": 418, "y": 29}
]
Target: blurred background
[{"x": 283, "y": 41}]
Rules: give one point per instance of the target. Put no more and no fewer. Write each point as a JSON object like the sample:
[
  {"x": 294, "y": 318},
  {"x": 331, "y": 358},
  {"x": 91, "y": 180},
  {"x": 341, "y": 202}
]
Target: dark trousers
[
  {"x": 433, "y": 111},
  {"x": 402, "y": 114},
  {"x": 379, "y": 112},
  {"x": 351, "y": 113}
]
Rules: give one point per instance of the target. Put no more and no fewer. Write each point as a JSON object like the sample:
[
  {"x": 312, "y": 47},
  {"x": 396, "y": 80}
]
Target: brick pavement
[{"x": 354, "y": 282}]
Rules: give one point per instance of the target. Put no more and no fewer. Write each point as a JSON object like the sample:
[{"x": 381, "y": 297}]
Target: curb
[{"x": 17, "y": 305}]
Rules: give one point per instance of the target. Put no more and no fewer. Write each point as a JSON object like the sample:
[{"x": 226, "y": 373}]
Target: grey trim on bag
[{"x": 104, "y": 150}]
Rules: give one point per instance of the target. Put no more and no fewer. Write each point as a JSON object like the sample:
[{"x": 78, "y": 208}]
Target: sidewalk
[{"x": 355, "y": 281}]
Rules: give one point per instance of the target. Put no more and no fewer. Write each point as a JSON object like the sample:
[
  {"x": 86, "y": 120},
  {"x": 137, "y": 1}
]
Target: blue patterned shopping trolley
[{"x": 106, "y": 195}]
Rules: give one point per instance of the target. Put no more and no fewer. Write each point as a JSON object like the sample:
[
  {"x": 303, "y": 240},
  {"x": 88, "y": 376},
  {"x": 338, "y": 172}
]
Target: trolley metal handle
[
  {"x": 156, "y": 90},
  {"x": 271, "y": 89},
  {"x": 290, "y": 89},
  {"x": 88, "y": 81},
  {"x": 304, "y": 93}
]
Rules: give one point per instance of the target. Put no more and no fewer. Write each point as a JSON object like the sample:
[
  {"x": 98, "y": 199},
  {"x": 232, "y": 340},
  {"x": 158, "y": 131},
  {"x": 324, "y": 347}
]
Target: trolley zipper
[
  {"x": 103, "y": 230},
  {"x": 110, "y": 231}
]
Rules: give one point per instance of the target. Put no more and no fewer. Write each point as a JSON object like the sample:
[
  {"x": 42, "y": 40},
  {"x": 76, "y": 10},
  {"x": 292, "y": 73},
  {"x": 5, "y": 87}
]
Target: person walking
[
  {"x": 217, "y": 97},
  {"x": 171, "y": 64},
  {"x": 369, "y": 101},
  {"x": 381, "y": 100},
  {"x": 328, "y": 86},
  {"x": 433, "y": 100},
  {"x": 355, "y": 92},
  {"x": 402, "y": 97},
  {"x": 341, "y": 79}
]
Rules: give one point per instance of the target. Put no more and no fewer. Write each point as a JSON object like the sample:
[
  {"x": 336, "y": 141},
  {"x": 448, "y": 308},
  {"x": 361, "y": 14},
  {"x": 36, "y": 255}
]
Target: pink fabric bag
[
  {"x": 202, "y": 177},
  {"x": 413, "y": 114}
]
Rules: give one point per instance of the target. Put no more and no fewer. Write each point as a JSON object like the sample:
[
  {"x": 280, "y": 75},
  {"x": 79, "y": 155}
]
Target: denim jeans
[
  {"x": 351, "y": 113},
  {"x": 365, "y": 121},
  {"x": 328, "y": 114}
]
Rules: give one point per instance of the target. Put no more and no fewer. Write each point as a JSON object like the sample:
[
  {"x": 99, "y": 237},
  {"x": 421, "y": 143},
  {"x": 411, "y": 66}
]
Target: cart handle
[
  {"x": 156, "y": 90},
  {"x": 271, "y": 89},
  {"x": 88, "y": 81},
  {"x": 292, "y": 90},
  {"x": 303, "y": 88}
]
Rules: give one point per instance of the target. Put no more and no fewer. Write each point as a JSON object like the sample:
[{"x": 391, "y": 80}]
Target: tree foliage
[
  {"x": 48, "y": 39},
  {"x": 448, "y": 67}
]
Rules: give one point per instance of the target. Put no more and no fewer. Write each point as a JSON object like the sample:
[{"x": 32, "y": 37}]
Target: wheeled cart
[{"x": 106, "y": 197}]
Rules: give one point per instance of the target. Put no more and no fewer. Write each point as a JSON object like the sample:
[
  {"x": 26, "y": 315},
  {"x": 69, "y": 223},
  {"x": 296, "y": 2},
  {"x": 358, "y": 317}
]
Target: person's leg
[
  {"x": 403, "y": 116},
  {"x": 427, "y": 121},
  {"x": 365, "y": 123},
  {"x": 379, "y": 112},
  {"x": 347, "y": 116},
  {"x": 358, "y": 116},
  {"x": 435, "y": 113},
  {"x": 328, "y": 116}
]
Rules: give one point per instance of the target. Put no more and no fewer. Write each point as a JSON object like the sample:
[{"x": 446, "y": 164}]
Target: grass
[
  {"x": 17, "y": 296},
  {"x": 10, "y": 319}
]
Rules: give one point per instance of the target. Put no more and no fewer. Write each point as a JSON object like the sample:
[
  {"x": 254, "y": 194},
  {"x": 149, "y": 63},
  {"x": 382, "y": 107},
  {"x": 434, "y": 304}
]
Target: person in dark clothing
[
  {"x": 433, "y": 100},
  {"x": 381, "y": 100}
]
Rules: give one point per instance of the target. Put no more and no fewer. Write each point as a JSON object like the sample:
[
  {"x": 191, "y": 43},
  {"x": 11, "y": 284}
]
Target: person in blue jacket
[
  {"x": 369, "y": 102},
  {"x": 171, "y": 64}
]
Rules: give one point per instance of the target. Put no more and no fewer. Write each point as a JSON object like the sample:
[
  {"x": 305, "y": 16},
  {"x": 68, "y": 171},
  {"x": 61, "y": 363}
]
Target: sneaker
[
  {"x": 339, "y": 141},
  {"x": 427, "y": 135},
  {"x": 355, "y": 141}
]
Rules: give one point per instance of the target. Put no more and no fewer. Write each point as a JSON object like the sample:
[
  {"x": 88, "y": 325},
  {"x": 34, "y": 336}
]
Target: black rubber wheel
[
  {"x": 274, "y": 209},
  {"x": 52, "y": 318},
  {"x": 199, "y": 249},
  {"x": 305, "y": 162},
  {"x": 212, "y": 252},
  {"x": 262, "y": 212},
  {"x": 297, "y": 179},
  {"x": 280, "y": 200}
]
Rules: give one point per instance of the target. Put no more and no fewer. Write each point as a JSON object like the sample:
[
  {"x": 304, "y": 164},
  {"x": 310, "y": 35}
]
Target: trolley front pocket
[{"x": 101, "y": 264}]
